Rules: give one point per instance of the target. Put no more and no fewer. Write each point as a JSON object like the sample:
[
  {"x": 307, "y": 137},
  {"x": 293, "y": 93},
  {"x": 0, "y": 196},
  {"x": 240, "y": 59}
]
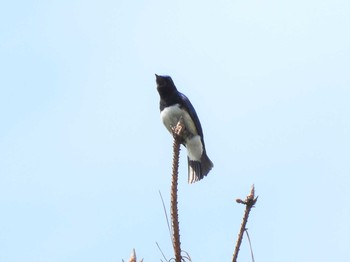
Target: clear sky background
[{"x": 83, "y": 153}]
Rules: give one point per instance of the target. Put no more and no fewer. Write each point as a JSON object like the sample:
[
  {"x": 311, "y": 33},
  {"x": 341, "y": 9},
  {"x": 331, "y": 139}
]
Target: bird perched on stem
[{"x": 174, "y": 106}]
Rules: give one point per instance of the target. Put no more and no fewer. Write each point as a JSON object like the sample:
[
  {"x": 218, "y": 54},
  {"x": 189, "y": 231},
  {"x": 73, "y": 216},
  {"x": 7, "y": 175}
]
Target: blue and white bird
[{"x": 173, "y": 106}]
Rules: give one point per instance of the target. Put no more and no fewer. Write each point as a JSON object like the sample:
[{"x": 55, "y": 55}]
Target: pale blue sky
[{"x": 83, "y": 153}]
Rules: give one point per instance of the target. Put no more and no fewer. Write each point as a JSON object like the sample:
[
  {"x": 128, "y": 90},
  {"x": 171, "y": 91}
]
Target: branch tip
[{"x": 249, "y": 202}]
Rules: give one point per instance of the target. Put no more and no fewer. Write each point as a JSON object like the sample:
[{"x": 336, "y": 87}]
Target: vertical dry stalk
[
  {"x": 177, "y": 131},
  {"x": 133, "y": 256},
  {"x": 249, "y": 203}
]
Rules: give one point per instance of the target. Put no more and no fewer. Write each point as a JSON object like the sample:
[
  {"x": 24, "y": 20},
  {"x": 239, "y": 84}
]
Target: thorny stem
[
  {"x": 249, "y": 203},
  {"x": 177, "y": 131}
]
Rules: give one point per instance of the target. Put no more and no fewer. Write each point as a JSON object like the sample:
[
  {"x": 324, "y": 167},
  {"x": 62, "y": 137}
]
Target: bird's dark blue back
[{"x": 185, "y": 102}]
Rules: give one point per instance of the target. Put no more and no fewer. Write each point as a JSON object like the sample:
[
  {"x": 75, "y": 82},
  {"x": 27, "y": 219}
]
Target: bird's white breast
[{"x": 171, "y": 115}]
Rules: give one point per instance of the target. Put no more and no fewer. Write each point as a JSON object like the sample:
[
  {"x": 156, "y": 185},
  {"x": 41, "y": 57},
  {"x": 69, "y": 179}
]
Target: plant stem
[
  {"x": 174, "y": 182},
  {"x": 249, "y": 203}
]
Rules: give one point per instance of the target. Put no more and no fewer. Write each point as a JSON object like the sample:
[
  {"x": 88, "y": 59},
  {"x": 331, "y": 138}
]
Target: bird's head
[{"x": 165, "y": 85}]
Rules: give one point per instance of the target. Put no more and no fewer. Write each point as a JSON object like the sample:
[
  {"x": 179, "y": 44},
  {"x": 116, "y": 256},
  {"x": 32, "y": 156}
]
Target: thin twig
[
  {"x": 167, "y": 219},
  {"x": 161, "y": 252},
  {"x": 249, "y": 203},
  {"x": 187, "y": 256},
  {"x": 250, "y": 245}
]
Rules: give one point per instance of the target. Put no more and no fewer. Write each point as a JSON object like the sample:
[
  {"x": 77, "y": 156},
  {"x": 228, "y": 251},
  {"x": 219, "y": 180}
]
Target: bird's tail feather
[
  {"x": 199, "y": 169},
  {"x": 206, "y": 164}
]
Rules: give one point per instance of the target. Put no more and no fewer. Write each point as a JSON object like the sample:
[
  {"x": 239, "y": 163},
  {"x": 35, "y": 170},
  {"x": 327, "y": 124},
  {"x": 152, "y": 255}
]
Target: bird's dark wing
[{"x": 192, "y": 112}]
